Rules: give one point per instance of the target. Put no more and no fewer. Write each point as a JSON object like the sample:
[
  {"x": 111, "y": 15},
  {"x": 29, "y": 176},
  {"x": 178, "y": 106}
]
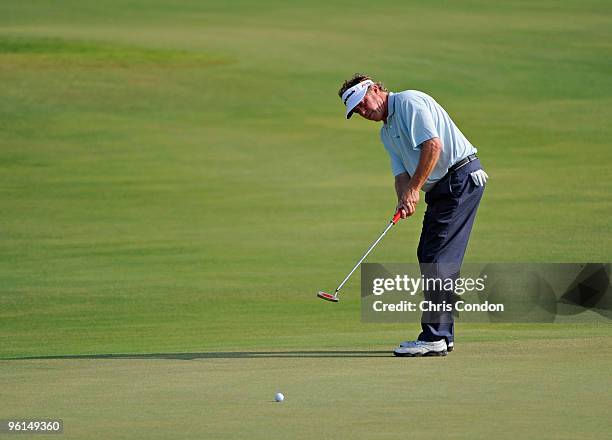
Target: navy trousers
[{"x": 451, "y": 209}]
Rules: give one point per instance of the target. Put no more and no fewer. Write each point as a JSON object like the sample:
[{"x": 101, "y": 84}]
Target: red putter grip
[{"x": 396, "y": 217}]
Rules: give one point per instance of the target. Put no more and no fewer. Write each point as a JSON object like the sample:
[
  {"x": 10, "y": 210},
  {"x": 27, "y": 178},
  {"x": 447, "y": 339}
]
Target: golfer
[{"x": 428, "y": 153}]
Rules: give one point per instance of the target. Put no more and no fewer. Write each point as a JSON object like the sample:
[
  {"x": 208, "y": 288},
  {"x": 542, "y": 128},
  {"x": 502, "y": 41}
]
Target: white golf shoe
[
  {"x": 449, "y": 346},
  {"x": 422, "y": 348}
]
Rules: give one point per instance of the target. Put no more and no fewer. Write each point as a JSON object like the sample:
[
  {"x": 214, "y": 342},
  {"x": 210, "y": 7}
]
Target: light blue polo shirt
[{"x": 413, "y": 118}]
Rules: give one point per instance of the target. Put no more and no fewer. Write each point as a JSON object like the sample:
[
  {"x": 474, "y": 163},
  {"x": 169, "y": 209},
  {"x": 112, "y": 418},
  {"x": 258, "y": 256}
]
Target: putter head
[{"x": 328, "y": 297}]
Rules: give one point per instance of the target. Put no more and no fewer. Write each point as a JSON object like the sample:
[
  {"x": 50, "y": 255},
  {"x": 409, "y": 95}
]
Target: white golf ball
[{"x": 279, "y": 397}]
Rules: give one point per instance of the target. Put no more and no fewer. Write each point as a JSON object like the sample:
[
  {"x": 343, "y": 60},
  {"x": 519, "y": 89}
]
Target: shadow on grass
[{"x": 220, "y": 355}]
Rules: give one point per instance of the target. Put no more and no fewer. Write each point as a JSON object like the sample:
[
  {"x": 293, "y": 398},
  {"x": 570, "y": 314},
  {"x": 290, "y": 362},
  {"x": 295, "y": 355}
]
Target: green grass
[
  {"x": 27, "y": 52},
  {"x": 177, "y": 177},
  {"x": 481, "y": 389}
]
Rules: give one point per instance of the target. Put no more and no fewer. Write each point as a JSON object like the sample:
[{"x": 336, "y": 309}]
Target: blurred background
[{"x": 179, "y": 175}]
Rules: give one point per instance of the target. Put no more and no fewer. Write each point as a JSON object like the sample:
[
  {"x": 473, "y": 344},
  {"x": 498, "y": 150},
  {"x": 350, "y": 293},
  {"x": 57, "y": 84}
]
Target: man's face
[{"x": 373, "y": 106}]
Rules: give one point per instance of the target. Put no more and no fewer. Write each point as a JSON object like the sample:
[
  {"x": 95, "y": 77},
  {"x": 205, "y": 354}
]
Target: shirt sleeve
[
  {"x": 397, "y": 166},
  {"x": 420, "y": 122}
]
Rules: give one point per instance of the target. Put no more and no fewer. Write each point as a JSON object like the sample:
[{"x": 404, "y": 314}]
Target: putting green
[
  {"x": 178, "y": 177},
  {"x": 515, "y": 389}
]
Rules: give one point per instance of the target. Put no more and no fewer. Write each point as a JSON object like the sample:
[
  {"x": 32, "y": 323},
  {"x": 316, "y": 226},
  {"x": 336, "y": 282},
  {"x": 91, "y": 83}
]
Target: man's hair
[{"x": 356, "y": 79}]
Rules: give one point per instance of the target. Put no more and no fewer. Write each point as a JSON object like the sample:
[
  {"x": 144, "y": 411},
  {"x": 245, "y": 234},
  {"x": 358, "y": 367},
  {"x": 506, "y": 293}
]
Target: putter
[{"x": 334, "y": 298}]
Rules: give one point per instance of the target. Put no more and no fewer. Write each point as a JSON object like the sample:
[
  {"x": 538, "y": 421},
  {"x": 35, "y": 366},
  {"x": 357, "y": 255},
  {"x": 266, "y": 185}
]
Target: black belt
[{"x": 462, "y": 162}]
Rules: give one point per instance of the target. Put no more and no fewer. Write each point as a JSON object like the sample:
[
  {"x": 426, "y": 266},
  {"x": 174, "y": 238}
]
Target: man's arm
[{"x": 408, "y": 188}]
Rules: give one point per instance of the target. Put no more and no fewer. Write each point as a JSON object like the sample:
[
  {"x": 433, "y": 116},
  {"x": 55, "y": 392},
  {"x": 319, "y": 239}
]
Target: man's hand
[
  {"x": 407, "y": 188},
  {"x": 408, "y": 202},
  {"x": 407, "y": 195}
]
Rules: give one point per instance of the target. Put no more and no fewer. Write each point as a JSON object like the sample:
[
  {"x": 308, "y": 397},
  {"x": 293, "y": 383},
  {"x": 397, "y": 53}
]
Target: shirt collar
[{"x": 390, "y": 105}]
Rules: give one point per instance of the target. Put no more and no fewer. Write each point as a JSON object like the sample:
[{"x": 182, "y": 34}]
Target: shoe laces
[{"x": 419, "y": 342}]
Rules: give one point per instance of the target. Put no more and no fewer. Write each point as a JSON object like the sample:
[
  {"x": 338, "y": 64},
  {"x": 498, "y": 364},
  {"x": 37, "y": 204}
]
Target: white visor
[{"x": 353, "y": 96}]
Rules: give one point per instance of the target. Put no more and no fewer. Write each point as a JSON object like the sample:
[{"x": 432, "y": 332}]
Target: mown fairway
[{"x": 177, "y": 177}]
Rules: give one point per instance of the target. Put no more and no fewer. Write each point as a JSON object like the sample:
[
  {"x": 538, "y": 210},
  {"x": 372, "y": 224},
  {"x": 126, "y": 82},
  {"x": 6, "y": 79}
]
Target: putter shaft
[{"x": 395, "y": 219}]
